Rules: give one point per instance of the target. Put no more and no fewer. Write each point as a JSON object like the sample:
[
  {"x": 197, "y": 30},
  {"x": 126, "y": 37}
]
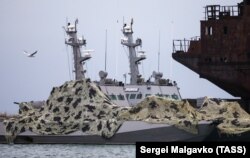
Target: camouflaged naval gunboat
[{"x": 107, "y": 111}]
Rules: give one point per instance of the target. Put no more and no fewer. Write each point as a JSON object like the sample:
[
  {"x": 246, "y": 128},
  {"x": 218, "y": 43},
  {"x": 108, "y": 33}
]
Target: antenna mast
[
  {"x": 106, "y": 51},
  {"x": 76, "y": 44},
  {"x": 134, "y": 60},
  {"x": 159, "y": 49}
]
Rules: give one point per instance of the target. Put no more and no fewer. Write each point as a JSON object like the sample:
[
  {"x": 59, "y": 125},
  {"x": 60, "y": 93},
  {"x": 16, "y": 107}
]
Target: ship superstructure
[
  {"x": 121, "y": 93},
  {"x": 222, "y": 53}
]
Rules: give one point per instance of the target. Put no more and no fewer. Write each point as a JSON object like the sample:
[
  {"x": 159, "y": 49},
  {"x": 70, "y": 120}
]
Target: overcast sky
[{"x": 37, "y": 25}]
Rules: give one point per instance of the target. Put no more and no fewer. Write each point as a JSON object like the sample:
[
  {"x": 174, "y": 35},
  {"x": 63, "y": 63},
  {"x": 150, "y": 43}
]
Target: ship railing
[
  {"x": 215, "y": 12},
  {"x": 183, "y": 45}
]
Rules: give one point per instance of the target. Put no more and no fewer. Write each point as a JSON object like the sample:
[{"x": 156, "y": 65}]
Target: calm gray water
[{"x": 67, "y": 151}]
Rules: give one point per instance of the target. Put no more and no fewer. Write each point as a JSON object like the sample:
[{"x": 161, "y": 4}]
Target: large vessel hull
[
  {"x": 129, "y": 133},
  {"x": 221, "y": 54}
]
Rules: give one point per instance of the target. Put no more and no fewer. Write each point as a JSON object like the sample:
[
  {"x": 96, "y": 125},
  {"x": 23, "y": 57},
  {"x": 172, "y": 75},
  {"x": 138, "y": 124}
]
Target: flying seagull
[{"x": 30, "y": 54}]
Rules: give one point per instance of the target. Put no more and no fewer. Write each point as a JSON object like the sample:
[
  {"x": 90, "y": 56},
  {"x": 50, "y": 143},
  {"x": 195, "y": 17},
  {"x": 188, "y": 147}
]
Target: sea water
[{"x": 66, "y": 151}]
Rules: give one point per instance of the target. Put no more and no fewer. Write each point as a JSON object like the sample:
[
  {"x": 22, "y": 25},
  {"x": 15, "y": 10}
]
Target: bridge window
[
  {"x": 174, "y": 96},
  {"x": 113, "y": 97},
  {"x": 166, "y": 96},
  {"x": 139, "y": 96},
  {"x": 159, "y": 95},
  {"x": 147, "y": 95},
  {"x": 121, "y": 97},
  {"x": 132, "y": 96}
]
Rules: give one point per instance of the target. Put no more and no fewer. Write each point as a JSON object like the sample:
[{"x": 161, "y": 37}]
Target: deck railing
[{"x": 183, "y": 45}]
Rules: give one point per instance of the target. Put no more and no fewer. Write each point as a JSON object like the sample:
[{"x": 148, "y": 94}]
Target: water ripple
[{"x": 66, "y": 151}]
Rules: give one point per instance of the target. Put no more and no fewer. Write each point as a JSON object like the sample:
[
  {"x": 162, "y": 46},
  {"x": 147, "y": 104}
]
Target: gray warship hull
[
  {"x": 129, "y": 133},
  {"x": 71, "y": 101}
]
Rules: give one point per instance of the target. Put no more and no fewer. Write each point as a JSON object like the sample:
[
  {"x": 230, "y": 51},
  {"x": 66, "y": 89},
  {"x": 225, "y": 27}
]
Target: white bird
[{"x": 30, "y": 54}]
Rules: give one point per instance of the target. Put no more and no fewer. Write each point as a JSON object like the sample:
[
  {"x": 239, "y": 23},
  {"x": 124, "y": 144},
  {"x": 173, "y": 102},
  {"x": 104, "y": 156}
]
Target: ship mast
[
  {"x": 76, "y": 44},
  {"x": 134, "y": 60}
]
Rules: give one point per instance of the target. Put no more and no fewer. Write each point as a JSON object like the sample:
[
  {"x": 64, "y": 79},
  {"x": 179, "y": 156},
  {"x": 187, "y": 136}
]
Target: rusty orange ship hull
[{"x": 222, "y": 52}]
